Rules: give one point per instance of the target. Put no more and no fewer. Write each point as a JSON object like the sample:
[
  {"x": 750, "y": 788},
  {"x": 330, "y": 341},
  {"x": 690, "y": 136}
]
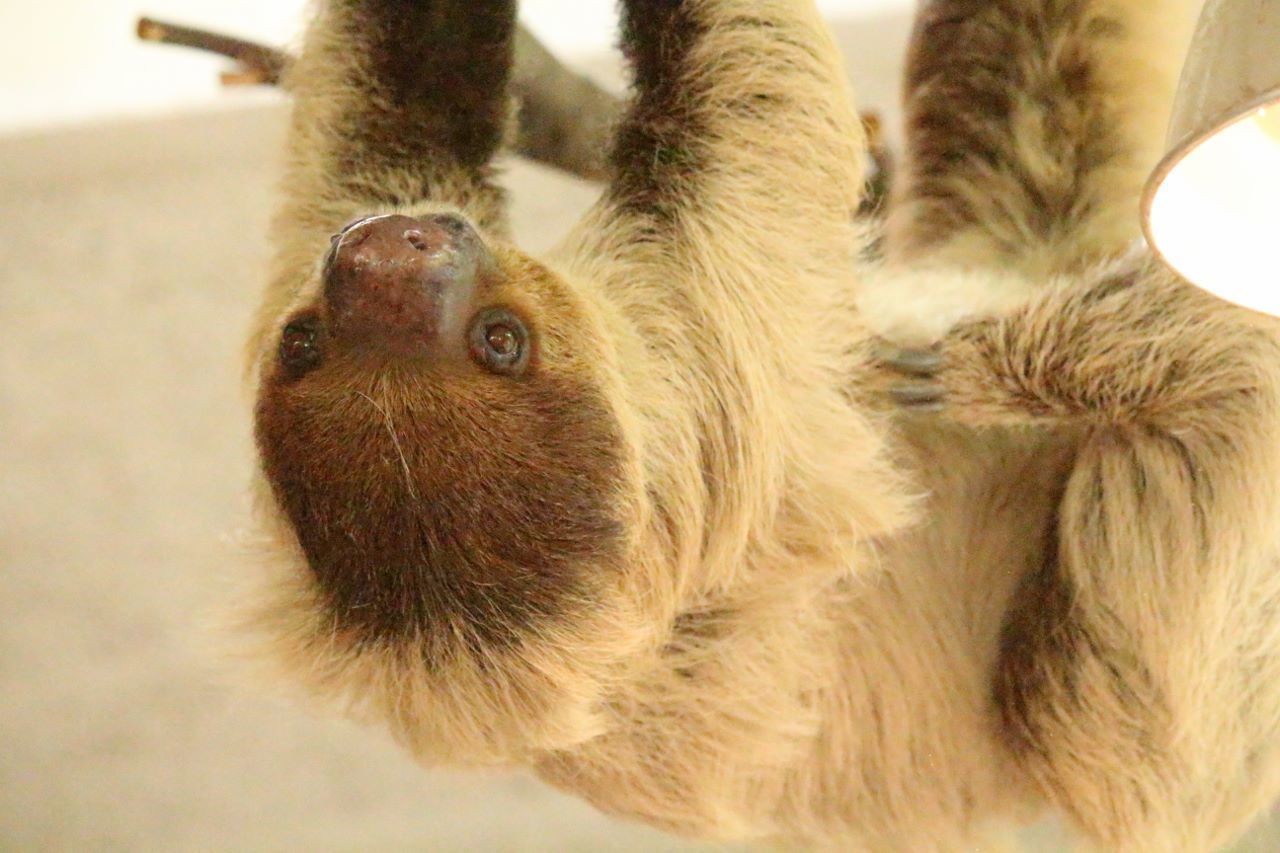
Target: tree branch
[
  {"x": 565, "y": 119},
  {"x": 258, "y": 64}
]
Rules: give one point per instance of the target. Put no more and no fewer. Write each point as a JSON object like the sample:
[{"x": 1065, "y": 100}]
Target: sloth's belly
[{"x": 922, "y": 641}]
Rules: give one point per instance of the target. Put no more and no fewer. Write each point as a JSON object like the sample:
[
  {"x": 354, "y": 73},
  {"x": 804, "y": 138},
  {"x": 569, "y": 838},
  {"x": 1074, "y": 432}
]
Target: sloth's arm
[
  {"x": 398, "y": 105},
  {"x": 1031, "y": 128},
  {"x": 400, "y": 102},
  {"x": 741, "y": 127}
]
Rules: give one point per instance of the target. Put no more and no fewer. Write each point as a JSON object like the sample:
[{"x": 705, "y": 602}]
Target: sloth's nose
[{"x": 404, "y": 284}]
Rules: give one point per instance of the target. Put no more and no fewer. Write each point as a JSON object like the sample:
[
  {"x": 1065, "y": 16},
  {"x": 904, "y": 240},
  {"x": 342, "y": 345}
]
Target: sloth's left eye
[
  {"x": 500, "y": 342},
  {"x": 300, "y": 345}
]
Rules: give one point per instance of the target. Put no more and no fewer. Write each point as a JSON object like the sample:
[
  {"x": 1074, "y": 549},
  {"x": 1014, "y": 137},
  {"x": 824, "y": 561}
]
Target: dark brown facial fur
[{"x": 434, "y": 497}]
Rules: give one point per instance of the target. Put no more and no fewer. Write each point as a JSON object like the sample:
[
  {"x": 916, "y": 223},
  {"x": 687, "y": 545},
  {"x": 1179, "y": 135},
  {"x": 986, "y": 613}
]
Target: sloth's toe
[
  {"x": 910, "y": 377},
  {"x": 918, "y": 396},
  {"x": 912, "y": 361}
]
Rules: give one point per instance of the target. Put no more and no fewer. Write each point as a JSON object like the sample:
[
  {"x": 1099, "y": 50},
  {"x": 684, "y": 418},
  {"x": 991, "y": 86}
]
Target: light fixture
[{"x": 1212, "y": 206}]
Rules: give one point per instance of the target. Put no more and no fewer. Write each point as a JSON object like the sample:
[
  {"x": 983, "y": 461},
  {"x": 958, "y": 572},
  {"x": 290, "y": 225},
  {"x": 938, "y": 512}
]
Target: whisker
[{"x": 391, "y": 431}]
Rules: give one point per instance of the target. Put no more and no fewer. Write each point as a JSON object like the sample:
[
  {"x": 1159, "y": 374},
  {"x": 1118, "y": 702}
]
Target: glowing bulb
[{"x": 1216, "y": 216}]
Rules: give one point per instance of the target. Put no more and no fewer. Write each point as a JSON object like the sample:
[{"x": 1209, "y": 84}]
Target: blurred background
[{"x": 135, "y": 194}]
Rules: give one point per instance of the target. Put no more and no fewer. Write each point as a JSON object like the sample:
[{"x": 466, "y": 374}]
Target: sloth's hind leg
[{"x": 1139, "y": 679}]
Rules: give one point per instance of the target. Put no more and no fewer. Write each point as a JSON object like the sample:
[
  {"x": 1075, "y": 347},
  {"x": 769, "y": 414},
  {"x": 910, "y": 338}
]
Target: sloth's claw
[
  {"x": 912, "y": 361},
  {"x": 918, "y": 396},
  {"x": 910, "y": 377}
]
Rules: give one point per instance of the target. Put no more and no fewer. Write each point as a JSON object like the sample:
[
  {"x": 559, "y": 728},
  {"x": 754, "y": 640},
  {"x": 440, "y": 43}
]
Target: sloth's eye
[
  {"x": 300, "y": 345},
  {"x": 500, "y": 342}
]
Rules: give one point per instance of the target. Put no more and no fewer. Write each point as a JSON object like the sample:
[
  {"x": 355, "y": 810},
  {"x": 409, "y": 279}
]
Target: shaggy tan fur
[
  {"x": 1135, "y": 674},
  {"x": 818, "y": 624}
]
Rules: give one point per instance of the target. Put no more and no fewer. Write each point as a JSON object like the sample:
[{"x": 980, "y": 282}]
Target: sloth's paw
[{"x": 968, "y": 377}]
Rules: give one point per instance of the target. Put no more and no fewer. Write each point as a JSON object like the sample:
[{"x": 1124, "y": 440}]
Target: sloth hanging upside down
[{"x": 663, "y": 516}]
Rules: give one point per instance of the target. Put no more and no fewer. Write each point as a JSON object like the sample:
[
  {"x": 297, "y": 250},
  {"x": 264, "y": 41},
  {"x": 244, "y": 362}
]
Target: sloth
[{"x": 719, "y": 524}]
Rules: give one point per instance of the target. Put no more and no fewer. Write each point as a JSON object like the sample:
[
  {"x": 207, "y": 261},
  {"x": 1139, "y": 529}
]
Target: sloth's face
[{"x": 434, "y": 432}]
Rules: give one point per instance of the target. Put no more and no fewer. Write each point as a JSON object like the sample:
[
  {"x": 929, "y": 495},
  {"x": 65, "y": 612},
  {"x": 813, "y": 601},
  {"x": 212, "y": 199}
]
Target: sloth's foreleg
[
  {"x": 399, "y": 105},
  {"x": 399, "y": 102},
  {"x": 729, "y": 228},
  {"x": 1139, "y": 680},
  {"x": 741, "y": 132}
]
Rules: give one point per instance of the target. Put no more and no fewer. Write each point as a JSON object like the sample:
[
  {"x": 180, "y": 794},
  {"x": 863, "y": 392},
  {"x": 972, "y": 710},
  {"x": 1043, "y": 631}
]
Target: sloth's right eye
[
  {"x": 500, "y": 342},
  {"x": 300, "y": 345}
]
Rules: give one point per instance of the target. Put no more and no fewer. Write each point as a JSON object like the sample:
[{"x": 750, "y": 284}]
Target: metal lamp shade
[{"x": 1212, "y": 207}]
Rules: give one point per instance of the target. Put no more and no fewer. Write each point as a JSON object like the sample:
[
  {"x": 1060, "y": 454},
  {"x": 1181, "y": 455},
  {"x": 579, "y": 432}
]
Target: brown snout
[{"x": 405, "y": 285}]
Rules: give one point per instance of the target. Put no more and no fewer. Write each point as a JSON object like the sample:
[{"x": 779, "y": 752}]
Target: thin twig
[{"x": 258, "y": 64}]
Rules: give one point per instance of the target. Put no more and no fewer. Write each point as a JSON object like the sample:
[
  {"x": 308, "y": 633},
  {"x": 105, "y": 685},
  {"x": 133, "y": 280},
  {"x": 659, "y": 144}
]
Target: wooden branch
[
  {"x": 565, "y": 119},
  {"x": 258, "y": 64}
]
